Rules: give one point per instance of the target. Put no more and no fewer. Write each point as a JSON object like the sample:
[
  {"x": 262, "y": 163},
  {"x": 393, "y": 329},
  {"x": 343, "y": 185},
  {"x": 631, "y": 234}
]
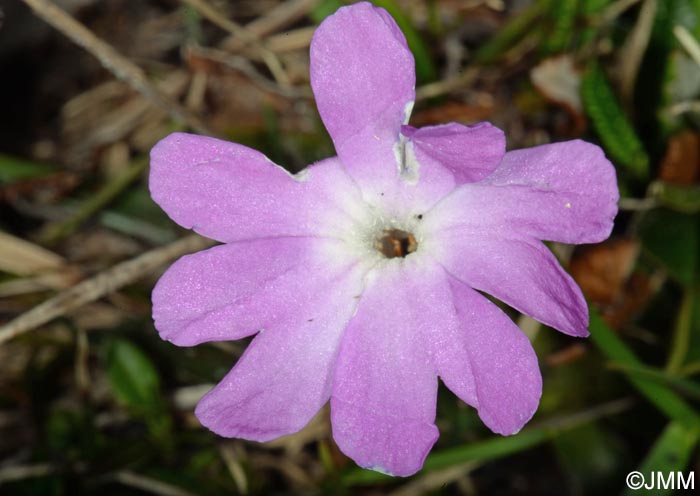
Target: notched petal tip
[{"x": 362, "y": 75}]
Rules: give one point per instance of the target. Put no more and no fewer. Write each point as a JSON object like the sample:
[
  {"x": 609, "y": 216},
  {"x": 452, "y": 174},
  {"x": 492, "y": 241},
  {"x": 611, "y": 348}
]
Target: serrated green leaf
[
  {"x": 613, "y": 128},
  {"x": 590, "y": 11},
  {"x": 563, "y": 15},
  {"x": 514, "y": 30}
]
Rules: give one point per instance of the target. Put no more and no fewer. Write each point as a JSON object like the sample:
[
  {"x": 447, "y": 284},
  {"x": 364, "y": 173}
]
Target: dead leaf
[
  {"x": 602, "y": 270},
  {"x": 558, "y": 80},
  {"x": 681, "y": 163}
]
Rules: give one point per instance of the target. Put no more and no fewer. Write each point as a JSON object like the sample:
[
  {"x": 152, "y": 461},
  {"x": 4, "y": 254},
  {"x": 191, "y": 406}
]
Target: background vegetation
[{"x": 92, "y": 402}]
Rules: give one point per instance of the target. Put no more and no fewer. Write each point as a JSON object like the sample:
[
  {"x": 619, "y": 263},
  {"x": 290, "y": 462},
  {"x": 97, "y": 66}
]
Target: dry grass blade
[
  {"x": 445, "y": 86},
  {"x": 689, "y": 43},
  {"x": 52, "y": 280},
  {"x": 149, "y": 484},
  {"x": 290, "y": 41},
  {"x": 115, "y": 62},
  {"x": 23, "y": 258},
  {"x": 635, "y": 47},
  {"x": 104, "y": 283},
  {"x": 15, "y": 472},
  {"x": 431, "y": 481},
  {"x": 245, "y": 67},
  {"x": 616, "y": 9},
  {"x": 231, "y": 457},
  {"x": 283, "y": 15},
  {"x": 271, "y": 60}
]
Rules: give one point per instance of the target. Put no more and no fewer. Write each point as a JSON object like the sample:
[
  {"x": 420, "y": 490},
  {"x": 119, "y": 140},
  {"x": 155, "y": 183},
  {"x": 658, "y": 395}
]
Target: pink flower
[{"x": 359, "y": 274}]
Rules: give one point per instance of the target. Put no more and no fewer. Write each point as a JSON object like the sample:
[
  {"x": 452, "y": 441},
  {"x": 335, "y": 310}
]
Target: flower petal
[
  {"x": 229, "y": 192},
  {"x": 501, "y": 360},
  {"x": 564, "y": 192},
  {"x": 384, "y": 392},
  {"x": 522, "y": 273},
  {"x": 479, "y": 353},
  {"x": 285, "y": 375},
  {"x": 470, "y": 153},
  {"x": 363, "y": 78},
  {"x": 232, "y": 291}
]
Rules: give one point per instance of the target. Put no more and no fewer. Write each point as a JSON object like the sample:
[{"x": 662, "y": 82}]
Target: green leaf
[
  {"x": 509, "y": 35},
  {"x": 589, "y": 7},
  {"x": 673, "y": 239},
  {"x": 658, "y": 394},
  {"x": 591, "y": 10},
  {"x": 682, "y": 386},
  {"x": 611, "y": 124},
  {"x": 669, "y": 455},
  {"x": 15, "y": 169},
  {"x": 682, "y": 333},
  {"x": 133, "y": 377},
  {"x": 563, "y": 14},
  {"x": 92, "y": 205}
]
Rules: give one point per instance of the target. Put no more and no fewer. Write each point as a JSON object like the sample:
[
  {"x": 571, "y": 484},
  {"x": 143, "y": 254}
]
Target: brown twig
[
  {"x": 103, "y": 283},
  {"x": 114, "y": 61}
]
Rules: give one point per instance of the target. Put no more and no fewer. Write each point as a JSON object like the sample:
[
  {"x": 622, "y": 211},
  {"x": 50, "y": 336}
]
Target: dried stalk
[
  {"x": 114, "y": 61},
  {"x": 244, "y": 66},
  {"x": 283, "y": 15},
  {"x": 149, "y": 484},
  {"x": 271, "y": 60},
  {"x": 635, "y": 48},
  {"x": 103, "y": 283}
]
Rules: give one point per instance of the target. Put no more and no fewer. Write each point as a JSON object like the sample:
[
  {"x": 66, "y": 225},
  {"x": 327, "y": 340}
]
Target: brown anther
[{"x": 396, "y": 243}]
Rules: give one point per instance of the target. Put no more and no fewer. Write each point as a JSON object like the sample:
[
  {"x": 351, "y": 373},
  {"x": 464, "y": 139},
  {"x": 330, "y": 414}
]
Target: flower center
[{"x": 396, "y": 243}]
